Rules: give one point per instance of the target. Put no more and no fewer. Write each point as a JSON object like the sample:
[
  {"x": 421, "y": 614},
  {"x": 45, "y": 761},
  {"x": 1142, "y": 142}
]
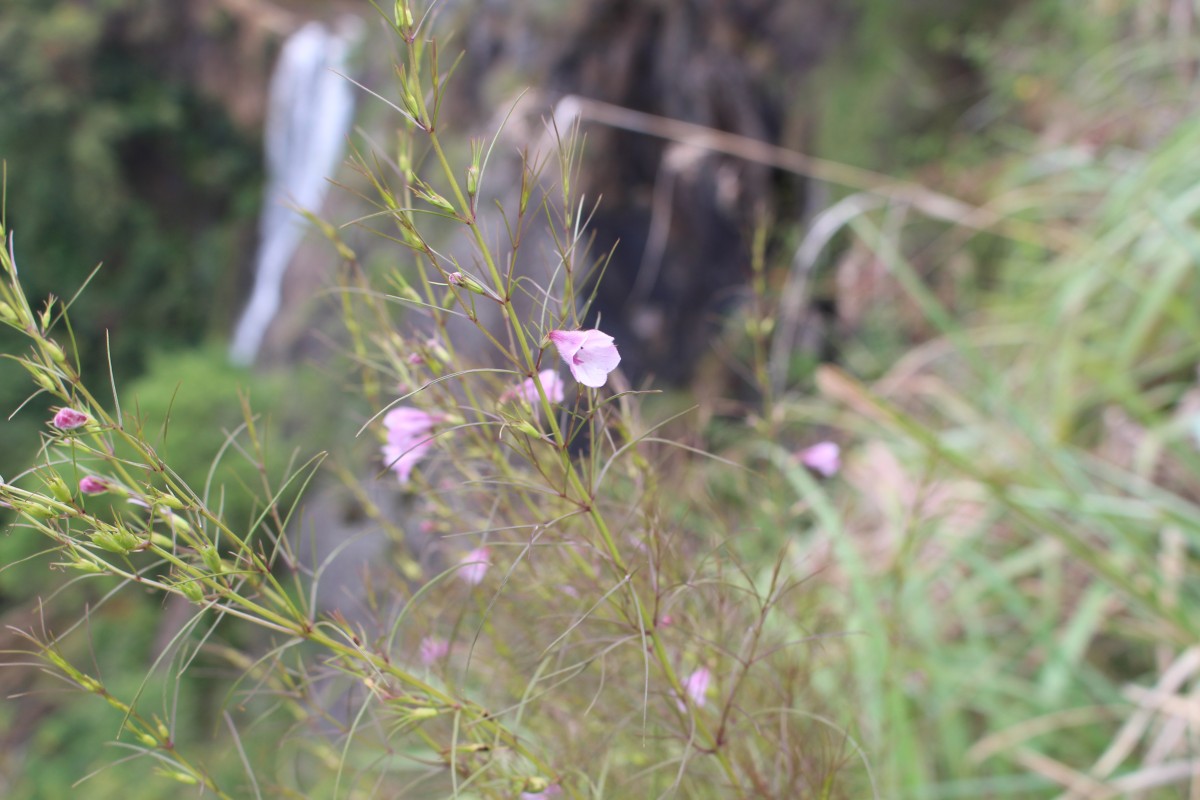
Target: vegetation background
[{"x": 1001, "y": 574}]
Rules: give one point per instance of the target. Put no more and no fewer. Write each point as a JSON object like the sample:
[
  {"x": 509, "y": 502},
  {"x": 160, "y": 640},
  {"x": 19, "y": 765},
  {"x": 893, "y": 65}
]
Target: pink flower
[
  {"x": 408, "y": 439},
  {"x": 590, "y": 354},
  {"x": 528, "y": 392},
  {"x": 68, "y": 419},
  {"x": 90, "y": 485},
  {"x": 432, "y": 650},
  {"x": 474, "y": 566},
  {"x": 824, "y": 458},
  {"x": 696, "y": 686}
]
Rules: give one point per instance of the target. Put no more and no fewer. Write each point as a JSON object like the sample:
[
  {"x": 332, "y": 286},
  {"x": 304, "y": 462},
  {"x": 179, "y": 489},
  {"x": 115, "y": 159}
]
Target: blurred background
[{"x": 151, "y": 144}]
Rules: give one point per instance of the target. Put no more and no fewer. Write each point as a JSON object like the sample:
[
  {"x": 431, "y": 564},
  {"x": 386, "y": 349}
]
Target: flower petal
[
  {"x": 568, "y": 342},
  {"x": 409, "y": 439},
  {"x": 590, "y": 354}
]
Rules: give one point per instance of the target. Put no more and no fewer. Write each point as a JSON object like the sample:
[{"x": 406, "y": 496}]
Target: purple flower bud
[
  {"x": 91, "y": 485},
  {"x": 68, "y": 419}
]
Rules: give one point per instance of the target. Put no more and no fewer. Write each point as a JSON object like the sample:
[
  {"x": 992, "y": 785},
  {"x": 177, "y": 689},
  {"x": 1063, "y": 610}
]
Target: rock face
[{"x": 684, "y": 215}]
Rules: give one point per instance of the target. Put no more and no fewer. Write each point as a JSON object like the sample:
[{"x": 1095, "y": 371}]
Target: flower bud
[
  {"x": 116, "y": 540},
  {"x": 436, "y": 199},
  {"x": 45, "y": 381},
  {"x": 169, "y": 500},
  {"x": 92, "y": 486},
  {"x": 55, "y": 352},
  {"x": 472, "y": 180},
  {"x": 411, "y": 105},
  {"x": 419, "y": 714},
  {"x": 404, "y": 17},
  {"x": 58, "y": 487},
  {"x": 7, "y": 314},
  {"x": 525, "y": 428},
  {"x": 181, "y": 777},
  {"x": 85, "y": 566},
  {"x": 465, "y": 281},
  {"x": 35, "y": 511},
  {"x": 190, "y": 589},
  {"x": 211, "y": 559},
  {"x": 68, "y": 419}
]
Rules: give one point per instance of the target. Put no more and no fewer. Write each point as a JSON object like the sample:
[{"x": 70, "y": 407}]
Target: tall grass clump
[
  {"x": 562, "y": 609},
  {"x": 1016, "y": 531}
]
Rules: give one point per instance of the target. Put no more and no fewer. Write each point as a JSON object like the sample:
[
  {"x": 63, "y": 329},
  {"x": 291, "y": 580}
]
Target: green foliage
[
  {"x": 191, "y": 406},
  {"x": 113, "y": 159},
  {"x": 1013, "y": 545}
]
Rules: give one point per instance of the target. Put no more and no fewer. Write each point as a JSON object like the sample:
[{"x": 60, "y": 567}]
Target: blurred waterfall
[{"x": 310, "y": 109}]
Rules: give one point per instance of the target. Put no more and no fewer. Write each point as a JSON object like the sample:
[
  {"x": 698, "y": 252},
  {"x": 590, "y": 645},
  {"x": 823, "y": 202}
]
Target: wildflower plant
[{"x": 573, "y": 604}]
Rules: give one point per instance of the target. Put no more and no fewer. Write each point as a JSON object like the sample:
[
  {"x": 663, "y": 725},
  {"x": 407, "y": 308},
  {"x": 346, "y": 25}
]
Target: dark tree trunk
[{"x": 682, "y": 217}]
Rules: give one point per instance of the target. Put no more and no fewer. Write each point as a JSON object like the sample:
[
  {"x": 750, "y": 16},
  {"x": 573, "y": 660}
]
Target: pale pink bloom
[
  {"x": 68, "y": 419},
  {"x": 549, "y": 791},
  {"x": 433, "y": 649},
  {"x": 409, "y": 439},
  {"x": 474, "y": 566},
  {"x": 824, "y": 458},
  {"x": 527, "y": 391},
  {"x": 590, "y": 354},
  {"x": 696, "y": 686},
  {"x": 90, "y": 485}
]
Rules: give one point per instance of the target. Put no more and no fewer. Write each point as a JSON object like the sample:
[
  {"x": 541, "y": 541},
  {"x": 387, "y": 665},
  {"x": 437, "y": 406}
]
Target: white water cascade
[{"x": 309, "y": 112}]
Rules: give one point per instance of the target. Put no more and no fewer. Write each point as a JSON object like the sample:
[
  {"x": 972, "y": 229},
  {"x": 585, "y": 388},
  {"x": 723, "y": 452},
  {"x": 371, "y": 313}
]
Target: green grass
[{"x": 1011, "y": 549}]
